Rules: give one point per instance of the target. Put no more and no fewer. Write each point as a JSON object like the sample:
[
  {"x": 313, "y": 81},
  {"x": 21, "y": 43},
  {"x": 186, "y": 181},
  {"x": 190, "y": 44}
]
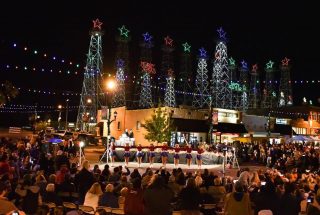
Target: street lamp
[
  {"x": 59, "y": 118},
  {"x": 81, "y": 144},
  {"x": 67, "y": 109},
  {"x": 110, "y": 86}
]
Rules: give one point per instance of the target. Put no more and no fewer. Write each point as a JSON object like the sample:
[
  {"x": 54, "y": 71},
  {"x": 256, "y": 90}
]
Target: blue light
[
  {"x": 120, "y": 63},
  {"x": 244, "y": 64},
  {"x": 203, "y": 52},
  {"x": 147, "y": 37},
  {"x": 222, "y": 33}
]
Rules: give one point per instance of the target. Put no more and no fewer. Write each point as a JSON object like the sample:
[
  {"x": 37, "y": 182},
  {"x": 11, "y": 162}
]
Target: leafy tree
[
  {"x": 7, "y": 92},
  {"x": 159, "y": 127}
]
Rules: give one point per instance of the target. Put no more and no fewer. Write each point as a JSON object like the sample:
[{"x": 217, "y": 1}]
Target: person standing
[
  {"x": 139, "y": 154},
  {"x": 188, "y": 155},
  {"x": 199, "y": 156},
  {"x": 176, "y": 156},
  {"x": 84, "y": 180},
  {"x": 126, "y": 154},
  {"x": 164, "y": 155},
  {"x": 151, "y": 154}
]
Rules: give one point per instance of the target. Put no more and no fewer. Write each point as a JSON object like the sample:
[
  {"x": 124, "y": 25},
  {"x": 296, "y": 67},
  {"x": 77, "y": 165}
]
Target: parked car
[
  {"x": 87, "y": 138},
  {"x": 63, "y": 134}
]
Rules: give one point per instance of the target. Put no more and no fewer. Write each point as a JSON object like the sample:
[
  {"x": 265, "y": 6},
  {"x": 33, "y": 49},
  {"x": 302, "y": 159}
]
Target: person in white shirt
[{"x": 93, "y": 195}]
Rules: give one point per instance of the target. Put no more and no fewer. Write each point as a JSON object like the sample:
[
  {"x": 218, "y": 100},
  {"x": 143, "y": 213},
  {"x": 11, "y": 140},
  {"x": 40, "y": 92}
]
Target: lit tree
[
  {"x": 159, "y": 127},
  {"x": 7, "y": 92}
]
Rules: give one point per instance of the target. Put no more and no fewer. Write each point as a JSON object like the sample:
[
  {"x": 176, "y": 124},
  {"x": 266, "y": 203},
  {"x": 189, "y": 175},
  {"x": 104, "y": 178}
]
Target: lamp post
[
  {"x": 59, "y": 117},
  {"x": 110, "y": 86},
  {"x": 67, "y": 109},
  {"x": 81, "y": 144}
]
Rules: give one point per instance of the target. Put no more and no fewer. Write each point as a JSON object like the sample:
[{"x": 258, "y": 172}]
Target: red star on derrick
[
  {"x": 97, "y": 24},
  {"x": 148, "y": 67},
  {"x": 255, "y": 67},
  {"x": 168, "y": 41},
  {"x": 285, "y": 61},
  {"x": 170, "y": 72}
]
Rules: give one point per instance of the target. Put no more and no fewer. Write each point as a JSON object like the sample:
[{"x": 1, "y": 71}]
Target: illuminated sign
[{"x": 281, "y": 121}]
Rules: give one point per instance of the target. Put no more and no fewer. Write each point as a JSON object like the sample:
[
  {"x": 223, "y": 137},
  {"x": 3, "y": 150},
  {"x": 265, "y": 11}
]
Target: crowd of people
[{"x": 32, "y": 177}]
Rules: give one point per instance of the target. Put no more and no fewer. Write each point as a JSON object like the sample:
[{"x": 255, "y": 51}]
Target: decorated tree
[
  {"x": 159, "y": 127},
  {"x": 7, "y": 92}
]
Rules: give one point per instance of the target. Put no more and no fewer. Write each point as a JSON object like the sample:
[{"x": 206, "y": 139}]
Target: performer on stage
[
  {"x": 188, "y": 155},
  {"x": 151, "y": 155},
  {"x": 127, "y": 153},
  {"x": 199, "y": 156},
  {"x": 112, "y": 152},
  {"x": 164, "y": 155},
  {"x": 176, "y": 156},
  {"x": 139, "y": 154}
]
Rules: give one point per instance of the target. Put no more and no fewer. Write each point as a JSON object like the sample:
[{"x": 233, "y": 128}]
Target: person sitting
[
  {"x": 108, "y": 198},
  {"x": 93, "y": 195},
  {"x": 50, "y": 196},
  {"x": 5, "y": 205},
  {"x": 218, "y": 191}
]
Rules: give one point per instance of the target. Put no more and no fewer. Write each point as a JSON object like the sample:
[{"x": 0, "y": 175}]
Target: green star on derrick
[
  {"x": 232, "y": 62},
  {"x": 123, "y": 31},
  {"x": 186, "y": 47},
  {"x": 270, "y": 64}
]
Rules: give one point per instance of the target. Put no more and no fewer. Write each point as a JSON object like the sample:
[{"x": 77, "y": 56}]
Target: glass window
[{"x": 138, "y": 125}]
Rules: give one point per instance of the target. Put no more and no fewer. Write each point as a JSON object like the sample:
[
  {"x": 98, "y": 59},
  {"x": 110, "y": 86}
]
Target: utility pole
[{"x": 67, "y": 110}]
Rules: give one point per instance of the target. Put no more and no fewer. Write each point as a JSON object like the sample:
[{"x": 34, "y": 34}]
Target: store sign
[{"x": 281, "y": 121}]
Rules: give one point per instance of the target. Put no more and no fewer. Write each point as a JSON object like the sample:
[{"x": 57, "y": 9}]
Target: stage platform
[{"x": 156, "y": 166}]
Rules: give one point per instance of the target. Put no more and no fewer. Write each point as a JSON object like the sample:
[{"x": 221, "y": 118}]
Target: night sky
[{"x": 256, "y": 32}]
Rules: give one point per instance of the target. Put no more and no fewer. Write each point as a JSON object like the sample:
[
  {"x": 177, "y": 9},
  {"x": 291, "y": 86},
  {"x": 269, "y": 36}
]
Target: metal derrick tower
[
  {"x": 122, "y": 66},
  {"x": 285, "y": 88},
  {"x": 169, "y": 97},
  {"x": 185, "y": 76},
  {"x": 166, "y": 64},
  {"x": 254, "y": 92},
  {"x": 233, "y": 80},
  {"x": 269, "y": 96},
  {"x": 220, "y": 91},
  {"x": 201, "y": 96},
  {"x": 91, "y": 94},
  {"x": 119, "y": 96},
  {"x": 146, "y": 57},
  {"x": 244, "y": 83},
  {"x": 146, "y": 94}
]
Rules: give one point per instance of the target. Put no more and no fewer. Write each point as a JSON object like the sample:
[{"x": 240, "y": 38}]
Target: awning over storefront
[
  {"x": 191, "y": 125},
  {"x": 283, "y": 129},
  {"x": 230, "y": 128}
]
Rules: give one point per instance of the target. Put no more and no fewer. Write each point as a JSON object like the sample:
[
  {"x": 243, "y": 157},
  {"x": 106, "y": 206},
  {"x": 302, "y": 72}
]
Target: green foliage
[
  {"x": 7, "y": 92},
  {"x": 159, "y": 127},
  {"x": 41, "y": 125}
]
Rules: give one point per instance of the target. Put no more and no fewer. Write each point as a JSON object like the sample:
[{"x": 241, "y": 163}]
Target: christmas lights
[
  {"x": 168, "y": 41},
  {"x": 186, "y": 47},
  {"x": 97, "y": 24},
  {"x": 123, "y": 31}
]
